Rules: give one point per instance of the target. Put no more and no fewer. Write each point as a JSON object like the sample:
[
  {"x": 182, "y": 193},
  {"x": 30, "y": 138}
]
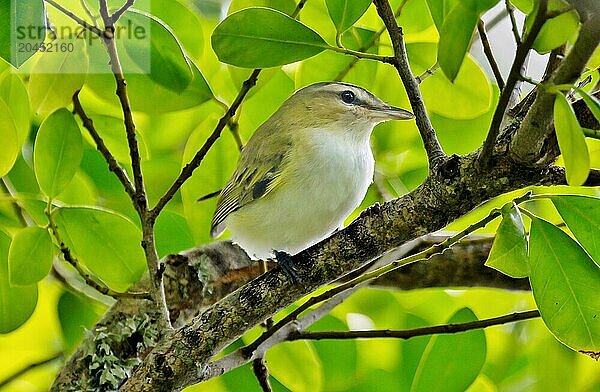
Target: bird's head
[{"x": 338, "y": 106}]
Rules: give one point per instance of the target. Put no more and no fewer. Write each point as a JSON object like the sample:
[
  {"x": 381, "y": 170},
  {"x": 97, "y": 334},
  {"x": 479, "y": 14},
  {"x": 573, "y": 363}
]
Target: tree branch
[
  {"x": 411, "y": 333},
  {"x": 140, "y": 201},
  {"x": 530, "y": 138},
  {"x": 113, "y": 165},
  {"x": 118, "y": 13},
  {"x": 435, "y": 153},
  {"x": 510, "y": 10},
  {"x": 487, "y": 50},
  {"x": 180, "y": 358},
  {"x": 513, "y": 77},
  {"x": 262, "y": 374}
]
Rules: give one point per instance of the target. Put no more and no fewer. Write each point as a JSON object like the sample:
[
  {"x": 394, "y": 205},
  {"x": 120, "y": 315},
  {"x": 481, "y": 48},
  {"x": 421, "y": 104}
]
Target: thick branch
[
  {"x": 179, "y": 360},
  {"x": 435, "y": 154}
]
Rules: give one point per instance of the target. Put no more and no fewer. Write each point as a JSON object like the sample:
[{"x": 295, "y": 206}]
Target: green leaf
[
  {"x": 556, "y": 31},
  {"x": 16, "y": 303},
  {"x": 14, "y": 94},
  {"x": 159, "y": 50},
  {"x": 571, "y": 142},
  {"x": 150, "y": 97},
  {"x": 455, "y": 39},
  {"x": 57, "y": 153},
  {"x": 263, "y": 37},
  {"x": 444, "y": 365},
  {"x": 23, "y": 23},
  {"x": 509, "y": 251},
  {"x": 30, "y": 256},
  {"x": 591, "y": 101},
  {"x": 439, "y": 9},
  {"x": 10, "y": 137},
  {"x": 285, "y": 358},
  {"x": 106, "y": 243},
  {"x": 285, "y": 6},
  {"x": 344, "y": 13},
  {"x": 480, "y": 6},
  {"x": 56, "y": 76},
  {"x": 74, "y": 314},
  {"x": 468, "y": 97},
  {"x": 564, "y": 280},
  {"x": 582, "y": 216},
  {"x": 172, "y": 234}
]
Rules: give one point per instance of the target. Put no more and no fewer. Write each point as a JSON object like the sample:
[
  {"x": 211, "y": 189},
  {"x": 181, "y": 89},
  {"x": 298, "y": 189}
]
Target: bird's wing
[{"x": 256, "y": 175}]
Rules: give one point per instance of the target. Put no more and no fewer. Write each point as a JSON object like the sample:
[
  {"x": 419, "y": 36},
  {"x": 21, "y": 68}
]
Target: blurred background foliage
[{"x": 171, "y": 127}]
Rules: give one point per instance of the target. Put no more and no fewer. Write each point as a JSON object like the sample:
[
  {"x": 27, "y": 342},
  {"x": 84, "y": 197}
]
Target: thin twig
[
  {"x": 510, "y": 10},
  {"x": 435, "y": 153},
  {"x": 262, "y": 374},
  {"x": 113, "y": 165},
  {"x": 140, "y": 201},
  {"x": 513, "y": 77},
  {"x": 422, "y": 255},
  {"x": 118, "y": 13},
  {"x": 342, "y": 74},
  {"x": 76, "y": 18},
  {"x": 192, "y": 165},
  {"x": 427, "y": 73},
  {"x": 31, "y": 366},
  {"x": 487, "y": 50},
  {"x": 17, "y": 208},
  {"x": 411, "y": 333}
]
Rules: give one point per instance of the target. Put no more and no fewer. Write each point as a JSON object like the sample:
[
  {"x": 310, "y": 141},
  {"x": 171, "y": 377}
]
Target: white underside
[{"x": 331, "y": 178}]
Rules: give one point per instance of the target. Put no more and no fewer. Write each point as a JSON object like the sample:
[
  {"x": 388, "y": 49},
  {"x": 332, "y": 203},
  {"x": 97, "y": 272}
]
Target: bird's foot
[{"x": 287, "y": 265}]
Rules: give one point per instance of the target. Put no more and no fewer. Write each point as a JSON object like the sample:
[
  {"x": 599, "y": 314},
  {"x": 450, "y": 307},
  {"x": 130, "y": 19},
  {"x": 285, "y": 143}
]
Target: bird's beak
[{"x": 386, "y": 112}]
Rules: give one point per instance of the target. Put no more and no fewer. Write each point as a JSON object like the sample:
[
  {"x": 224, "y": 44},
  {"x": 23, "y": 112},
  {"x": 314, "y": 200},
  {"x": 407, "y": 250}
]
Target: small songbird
[{"x": 303, "y": 171}]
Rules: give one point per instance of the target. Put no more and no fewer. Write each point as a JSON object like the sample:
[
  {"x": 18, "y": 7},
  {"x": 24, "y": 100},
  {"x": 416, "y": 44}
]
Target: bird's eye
[{"x": 347, "y": 96}]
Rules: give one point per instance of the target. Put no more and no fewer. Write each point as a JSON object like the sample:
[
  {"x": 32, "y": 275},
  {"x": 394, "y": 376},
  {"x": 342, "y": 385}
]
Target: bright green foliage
[
  {"x": 105, "y": 242},
  {"x": 571, "y": 141},
  {"x": 57, "y": 153},
  {"x": 509, "y": 251},
  {"x": 15, "y": 13},
  {"x": 57, "y": 76},
  {"x": 455, "y": 39},
  {"x": 242, "y": 41},
  {"x": 285, "y": 6},
  {"x": 439, "y": 9},
  {"x": 295, "y": 355},
  {"x": 30, "y": 256},
  {"x": 14, "y": 96},
  {"x": 9, "y": 134},
  {"x": 169, "y": 66},
  {"x": 344, "y": 13},
  {"x": 172, "y": 234},
  {"x": 556, "y": 31},
  {"x": 582, "y": 216},
  {"x": 16, "y": 303},
  {"x": 74, "y": 314},
  {"x": 564, "y": 280},
  {"x": 451, "y": 362}
]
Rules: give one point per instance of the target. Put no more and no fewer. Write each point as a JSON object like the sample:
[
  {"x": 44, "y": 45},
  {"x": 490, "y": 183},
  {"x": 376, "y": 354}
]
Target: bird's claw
[{"x": 287, "y": 265}]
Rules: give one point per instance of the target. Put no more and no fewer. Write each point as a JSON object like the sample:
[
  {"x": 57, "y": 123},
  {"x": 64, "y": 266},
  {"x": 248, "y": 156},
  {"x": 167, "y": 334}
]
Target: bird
[{"x": 302, "y": 172}]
